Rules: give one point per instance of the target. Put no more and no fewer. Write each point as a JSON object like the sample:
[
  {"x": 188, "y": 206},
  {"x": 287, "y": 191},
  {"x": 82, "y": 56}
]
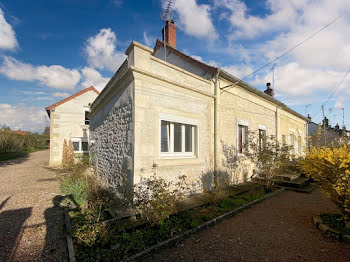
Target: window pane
[
  {"x": 76, "y": 146},
  {"x": 165, "y": 136},
  {"x": 240, "y": 139},
  {"x": 87, "y": 121},
  {"x": 85, "y": 146},
  {"x": 177, "y": 137},
  {"x": 188, "y": 138}
]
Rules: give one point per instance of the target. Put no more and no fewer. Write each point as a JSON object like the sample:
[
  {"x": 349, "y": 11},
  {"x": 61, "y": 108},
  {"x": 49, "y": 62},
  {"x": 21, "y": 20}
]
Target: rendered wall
[{"x": 68, "y": 120}]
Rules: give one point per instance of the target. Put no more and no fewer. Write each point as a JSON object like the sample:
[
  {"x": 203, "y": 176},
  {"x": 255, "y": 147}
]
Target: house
[
  {"x": 328, "y": 134},
  {"x": 69, "y": 121},
  {"x": 165, "y": 109}
]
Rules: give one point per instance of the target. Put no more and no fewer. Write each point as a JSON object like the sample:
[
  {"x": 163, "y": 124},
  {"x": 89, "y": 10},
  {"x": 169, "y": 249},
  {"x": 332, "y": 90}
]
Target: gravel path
[
  {"x": 31, "y": 227},
  {"x": 278, "y": 229}
]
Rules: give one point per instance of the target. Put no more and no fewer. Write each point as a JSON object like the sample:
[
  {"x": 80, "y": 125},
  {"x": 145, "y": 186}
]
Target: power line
[{"x": 285, "y": 53}]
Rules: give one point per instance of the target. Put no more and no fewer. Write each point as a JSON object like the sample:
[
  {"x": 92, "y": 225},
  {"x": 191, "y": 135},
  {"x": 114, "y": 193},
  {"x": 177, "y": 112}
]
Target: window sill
[{"x": 179, "y": 161}]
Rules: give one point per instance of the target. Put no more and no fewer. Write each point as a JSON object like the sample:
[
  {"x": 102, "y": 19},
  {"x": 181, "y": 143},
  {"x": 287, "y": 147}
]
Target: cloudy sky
[{"x": 52, "y": 49}]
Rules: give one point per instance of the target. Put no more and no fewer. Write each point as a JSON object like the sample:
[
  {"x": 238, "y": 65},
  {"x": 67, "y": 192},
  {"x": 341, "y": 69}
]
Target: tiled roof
[{"x": 91, "y": 88}]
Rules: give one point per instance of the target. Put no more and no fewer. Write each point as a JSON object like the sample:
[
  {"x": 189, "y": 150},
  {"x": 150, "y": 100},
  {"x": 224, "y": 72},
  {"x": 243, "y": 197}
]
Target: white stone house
[
  {"x": 69, "y": 120},
  {"x": 167, "y": 109}
]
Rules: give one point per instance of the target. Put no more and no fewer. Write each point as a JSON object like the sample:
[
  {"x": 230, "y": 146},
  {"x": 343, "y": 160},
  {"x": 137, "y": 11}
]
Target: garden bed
[
  {"x": 113, "y": 242},
  {"x": 332, "y": 225}
]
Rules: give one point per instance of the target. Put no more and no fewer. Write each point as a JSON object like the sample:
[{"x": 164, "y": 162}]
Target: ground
[
  {"x": 278, "y": 229},
  {"x": 31, "y": 226}
]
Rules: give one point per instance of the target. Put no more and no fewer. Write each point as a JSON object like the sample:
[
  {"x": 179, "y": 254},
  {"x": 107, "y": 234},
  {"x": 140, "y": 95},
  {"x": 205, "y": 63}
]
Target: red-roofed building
[{"x": 69, "y": 120}]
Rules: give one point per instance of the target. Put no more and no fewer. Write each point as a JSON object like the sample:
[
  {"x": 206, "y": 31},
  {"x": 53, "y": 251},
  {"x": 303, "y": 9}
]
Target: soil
[
  {"x": 31, "y": 225},
  {"x": 278, "y": 229}
]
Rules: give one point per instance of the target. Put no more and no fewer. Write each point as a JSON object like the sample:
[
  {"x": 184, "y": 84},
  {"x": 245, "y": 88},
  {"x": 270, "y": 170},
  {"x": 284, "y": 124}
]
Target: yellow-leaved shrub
[{"x": 329, "y": 166}]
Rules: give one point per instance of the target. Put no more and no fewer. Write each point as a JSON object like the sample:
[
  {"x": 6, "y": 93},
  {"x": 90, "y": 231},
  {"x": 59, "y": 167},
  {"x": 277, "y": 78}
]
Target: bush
[
  {"x": 158, "y": 199},
  {"x": 75, "y": 187},
  {"x": 330, "y": 168},
  {"x": 12, "y": 142}
]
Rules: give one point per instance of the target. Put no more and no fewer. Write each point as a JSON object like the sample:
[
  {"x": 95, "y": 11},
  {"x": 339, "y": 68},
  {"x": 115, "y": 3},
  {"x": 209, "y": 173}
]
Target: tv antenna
[{"x": 166, "y": 16}]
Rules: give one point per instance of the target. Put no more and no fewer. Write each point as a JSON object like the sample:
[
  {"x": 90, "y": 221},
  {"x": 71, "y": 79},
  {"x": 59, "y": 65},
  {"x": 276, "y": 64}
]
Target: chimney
[
  {"x": 336, "y": 127},
  {"x": 325, "y": 122},
  {"x": 269, "y": 90},
  {"x": 170, "y": 33},
  {"x": 309, "y": 117}
]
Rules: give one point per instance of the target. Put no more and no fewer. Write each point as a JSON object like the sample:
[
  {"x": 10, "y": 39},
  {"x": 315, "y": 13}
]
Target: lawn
[{"x": 12, "y": 155}]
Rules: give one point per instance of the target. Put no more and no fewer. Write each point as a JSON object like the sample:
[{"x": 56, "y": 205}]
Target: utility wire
[
  {"x": 287, "y": 52},
  {"x": 333, "y": 93}
]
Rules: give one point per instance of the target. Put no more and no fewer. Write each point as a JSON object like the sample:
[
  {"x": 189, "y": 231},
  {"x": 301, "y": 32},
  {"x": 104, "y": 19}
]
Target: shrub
[
  {"x": 158, "y": 199},
  {"x": 330, "y": 168},
  {"x": 75, "y": 187}
]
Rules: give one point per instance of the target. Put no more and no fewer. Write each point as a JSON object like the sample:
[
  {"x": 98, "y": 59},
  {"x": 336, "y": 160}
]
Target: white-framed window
[
  {"x": 284, "y": 140},
  {"x": 86, "y": 118},
  {"x": 262, "y": 136},
  {"x": 242, "y": 135},
  {"x": 178, "y": 136},
  {"x": 291, "y": 141},
  {"x": 80, "y": 144}
]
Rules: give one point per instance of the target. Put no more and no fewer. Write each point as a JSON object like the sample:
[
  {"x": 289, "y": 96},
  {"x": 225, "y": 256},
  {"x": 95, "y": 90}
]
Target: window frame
[
  {"x": 262, "y": 128},
  {"x": 241, "y": 122},
  {"x": 195, "y": 137},
  {"x": 80, "y": 140},
  {"x": 86, "y": 109}
]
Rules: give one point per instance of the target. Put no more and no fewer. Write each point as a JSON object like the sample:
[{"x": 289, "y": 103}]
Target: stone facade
[{"x": 158, "y": 92}]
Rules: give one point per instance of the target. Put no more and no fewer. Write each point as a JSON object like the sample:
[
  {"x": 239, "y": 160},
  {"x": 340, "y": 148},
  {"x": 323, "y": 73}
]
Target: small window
[
  {"x": 283, "y": 140},
  {"x": 242, "y": 138},
  {"x": 177, "y": 139},
  {"x": 299, "y": 144},
  {"x": 76, "y": 146},
  {"x": 87, "y": 120},
  {"x": 85, "y": 146},
  {"x": 291, "y": 138},
  {"x": 262, "y": 139}
]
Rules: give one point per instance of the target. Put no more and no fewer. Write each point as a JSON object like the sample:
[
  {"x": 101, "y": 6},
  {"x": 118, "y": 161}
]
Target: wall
[
  {"x": 112, "y": 133},
  {"x": 68, "y": 120}
]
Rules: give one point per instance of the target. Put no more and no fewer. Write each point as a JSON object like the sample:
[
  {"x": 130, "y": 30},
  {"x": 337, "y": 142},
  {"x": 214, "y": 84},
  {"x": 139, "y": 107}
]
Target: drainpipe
[
  {"x": 276, "y": 124},
  {"x": 216, "y": 123}
]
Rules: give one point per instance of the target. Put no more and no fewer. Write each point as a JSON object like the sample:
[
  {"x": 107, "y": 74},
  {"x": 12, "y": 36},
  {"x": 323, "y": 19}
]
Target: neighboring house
[
  {"x": 328, "y": 133},
  {"x": 22, "y": 133},
  {"x": 180, "y": 115},
  {"x": 69, "y": 120}
]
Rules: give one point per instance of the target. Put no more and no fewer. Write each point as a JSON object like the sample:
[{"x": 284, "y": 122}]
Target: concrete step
[
  {"x": 307, "y": 189},
  {"x": 296, "y": 183},
  {"x": 288, "y": 177}
]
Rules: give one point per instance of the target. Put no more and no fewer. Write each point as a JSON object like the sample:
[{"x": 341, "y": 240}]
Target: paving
[
  {"x": 277, "y": 229},
  {"x": 31, "y": 225}
]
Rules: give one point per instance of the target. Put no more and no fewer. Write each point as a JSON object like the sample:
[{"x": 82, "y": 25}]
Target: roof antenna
[{"x": 166, "y": 17}]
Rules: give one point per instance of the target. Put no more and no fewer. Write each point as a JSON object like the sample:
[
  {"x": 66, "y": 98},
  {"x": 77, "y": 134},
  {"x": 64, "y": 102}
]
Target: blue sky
[{"x": 52, "y": 49}]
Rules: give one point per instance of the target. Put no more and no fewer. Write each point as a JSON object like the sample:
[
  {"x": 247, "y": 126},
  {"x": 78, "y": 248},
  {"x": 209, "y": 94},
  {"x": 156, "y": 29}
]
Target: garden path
[
  {"x": 31, "y": 226},
  {"x": 277, "y": 229}
]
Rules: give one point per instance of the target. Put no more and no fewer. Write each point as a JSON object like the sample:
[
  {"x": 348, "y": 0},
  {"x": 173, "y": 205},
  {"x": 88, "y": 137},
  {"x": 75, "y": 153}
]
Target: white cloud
[
  {"x": 238, "y": 71},
  {"x": 149, "y": 41},
  {"x": 8, "y": 39},
  {"x": 23, "y": 117},
  {"x": 101, "y": 51},
  {"x": 195, "y": 19},
  {"x": 94, "y": 78},
  {"x": 54, "y": 76},
  {"x": 60, "y": 94},
  {"x": 117, "y": 2}
]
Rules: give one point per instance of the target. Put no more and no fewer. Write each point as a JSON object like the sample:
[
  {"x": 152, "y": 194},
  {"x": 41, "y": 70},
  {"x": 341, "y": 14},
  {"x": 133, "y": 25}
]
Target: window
[
  {"x": 291, "y": 137},
  {"x": 299, "y": 144},
  {"x": 178, "y": 139},
  {"x": 283, "y": 140},
  {"x": 86, "y": 118},
  {"x": 262, "y": 139},
  {"x": 80, "y": 144},
  {"x": 76, "y": 146},
  {"x": 242, "y": 138}
]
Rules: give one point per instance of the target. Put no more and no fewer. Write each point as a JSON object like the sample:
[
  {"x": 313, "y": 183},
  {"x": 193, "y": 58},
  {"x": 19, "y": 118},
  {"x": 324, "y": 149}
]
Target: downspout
[
  {"x": 216, "y": 124},
  {"x": 276, "y": 125}
]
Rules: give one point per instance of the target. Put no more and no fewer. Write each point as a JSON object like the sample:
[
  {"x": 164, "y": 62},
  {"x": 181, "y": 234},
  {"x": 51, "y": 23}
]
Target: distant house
[
  {"x": 163, "y": 108},
  {"x": 22, "y": 133},
  {"x": 69, "y": 120}
]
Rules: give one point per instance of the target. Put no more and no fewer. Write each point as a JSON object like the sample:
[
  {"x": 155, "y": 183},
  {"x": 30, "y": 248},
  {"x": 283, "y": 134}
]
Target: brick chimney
[
  {"x": 325, "y": 122},
  {"x": 170, "y": 33},
  {"x": 269, "y": 90}
]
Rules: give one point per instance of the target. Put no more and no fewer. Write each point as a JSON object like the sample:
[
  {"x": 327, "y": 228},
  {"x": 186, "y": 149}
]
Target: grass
[
  {"x": 100, "y": 242},
  {"x": 14, "y": 155},
  {"x": 336, "y": 222}
]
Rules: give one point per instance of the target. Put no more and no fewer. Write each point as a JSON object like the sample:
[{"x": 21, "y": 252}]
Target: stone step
[
  {"x": 296, "y": 183},
  {"x": 288, "y": 177},
  {"x": 307, "y": 189}
]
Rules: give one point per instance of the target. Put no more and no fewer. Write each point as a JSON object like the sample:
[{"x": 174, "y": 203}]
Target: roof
[
  {"x": 214, "y": 70},
  {"x": 210, "y": 69},
  {"x": 91, "y": 88},
  {"x": 23, "y": 133}
]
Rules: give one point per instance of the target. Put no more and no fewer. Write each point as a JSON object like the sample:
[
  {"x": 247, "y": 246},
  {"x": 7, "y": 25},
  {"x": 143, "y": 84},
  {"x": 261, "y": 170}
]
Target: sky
[{"x": 52, "y": 49}]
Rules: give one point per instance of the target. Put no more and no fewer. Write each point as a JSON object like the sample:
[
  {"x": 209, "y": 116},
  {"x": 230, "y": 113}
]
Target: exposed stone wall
[{"x": 112, "y": 135}]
